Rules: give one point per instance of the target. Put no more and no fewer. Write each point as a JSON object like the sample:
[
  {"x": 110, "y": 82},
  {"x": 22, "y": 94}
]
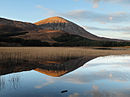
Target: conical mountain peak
[
  {"x": 61, "y": 24},
  {"x": 55, "y": 19}
]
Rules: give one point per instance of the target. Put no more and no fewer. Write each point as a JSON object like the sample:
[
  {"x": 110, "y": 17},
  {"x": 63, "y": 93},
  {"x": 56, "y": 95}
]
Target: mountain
[
  {"x": 61, "y": 24},
  {"x": 54, "y": 31}
]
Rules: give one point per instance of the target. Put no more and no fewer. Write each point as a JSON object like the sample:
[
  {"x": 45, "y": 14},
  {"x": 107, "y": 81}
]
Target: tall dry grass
[{"x": 44, "y": 53}]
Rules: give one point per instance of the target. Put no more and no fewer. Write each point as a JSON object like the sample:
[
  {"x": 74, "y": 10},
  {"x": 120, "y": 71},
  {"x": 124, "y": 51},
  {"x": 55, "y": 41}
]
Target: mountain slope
[
  {"x": 59, "y": 23},
  {"x": 54, "y": 31},
  {"x": 19, "y": 24}
]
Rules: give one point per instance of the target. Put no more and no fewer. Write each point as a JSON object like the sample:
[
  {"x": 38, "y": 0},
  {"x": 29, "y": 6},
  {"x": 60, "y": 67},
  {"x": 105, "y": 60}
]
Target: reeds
[{"x": 33, "y": 54}]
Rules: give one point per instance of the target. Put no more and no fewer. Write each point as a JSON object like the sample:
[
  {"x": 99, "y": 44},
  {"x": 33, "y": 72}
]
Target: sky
[{"x": 104, "y": 18}]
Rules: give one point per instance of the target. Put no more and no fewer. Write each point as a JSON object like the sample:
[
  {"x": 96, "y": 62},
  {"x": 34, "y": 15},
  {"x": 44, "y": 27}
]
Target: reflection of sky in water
[{"x": 102, "y": 77}]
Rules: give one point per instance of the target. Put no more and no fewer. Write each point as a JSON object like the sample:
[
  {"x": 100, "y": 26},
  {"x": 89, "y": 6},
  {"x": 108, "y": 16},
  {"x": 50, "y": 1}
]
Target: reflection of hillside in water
[
  {"x": 52, "y": 67},
  {"x": 58, "y": 69}
]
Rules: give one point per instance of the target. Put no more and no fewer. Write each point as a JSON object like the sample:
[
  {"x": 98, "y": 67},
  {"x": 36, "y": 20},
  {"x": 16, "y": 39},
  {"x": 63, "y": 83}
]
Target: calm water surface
[{"x": 107, "y": 76}]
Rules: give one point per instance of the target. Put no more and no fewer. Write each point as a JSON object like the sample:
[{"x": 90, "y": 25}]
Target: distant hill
[
  {"x": 54, "y": 31},
  {"x": 19, "y": 24}
]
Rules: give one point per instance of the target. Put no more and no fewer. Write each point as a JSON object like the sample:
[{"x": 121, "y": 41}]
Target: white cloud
[
  {"x": 95, "y": 3},
  {"x": 95, "y": 87},
  {"x": 110, "y": 18},
  {"x": 48, "y": 12},
  {"x": 48, "y": 82},
  {"x": 74, "y": 95},
  {"x": 39, "y": 6},
  {"x": 117, "y": 29},
  {"x": 84, "y": 15}
]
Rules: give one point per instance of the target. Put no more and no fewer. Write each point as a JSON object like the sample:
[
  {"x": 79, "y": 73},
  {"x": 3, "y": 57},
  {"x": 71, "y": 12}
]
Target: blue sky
[{"x": 106, "y": 18}]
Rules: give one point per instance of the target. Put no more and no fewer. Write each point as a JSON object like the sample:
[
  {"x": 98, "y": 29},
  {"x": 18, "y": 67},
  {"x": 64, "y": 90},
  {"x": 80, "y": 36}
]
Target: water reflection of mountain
[
  {"x": 55, "y": 68},
  {"x": 58, "y": 69}
]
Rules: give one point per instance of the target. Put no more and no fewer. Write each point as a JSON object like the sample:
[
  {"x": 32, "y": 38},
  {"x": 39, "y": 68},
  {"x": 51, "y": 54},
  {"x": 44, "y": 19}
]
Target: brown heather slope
[
  {"x": 19, "y": 24},
  {"x": 43, "y": 35}
]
